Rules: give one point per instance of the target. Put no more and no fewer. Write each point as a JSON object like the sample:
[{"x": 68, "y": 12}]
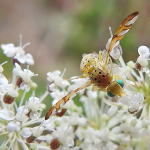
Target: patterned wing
[
  {"x": 57, "y": 108},
  {"x": 122, "y": 30}
]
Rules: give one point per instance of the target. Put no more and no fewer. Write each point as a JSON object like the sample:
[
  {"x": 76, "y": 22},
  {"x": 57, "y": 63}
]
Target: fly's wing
[
  {"x": 122, "y": 30},
  {"x": 57, "y": 108}
]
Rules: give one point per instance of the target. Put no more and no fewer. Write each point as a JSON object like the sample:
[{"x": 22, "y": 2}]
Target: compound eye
[
  {"x": 110, "y": 94},
  {"x": 120, "y": 82}
]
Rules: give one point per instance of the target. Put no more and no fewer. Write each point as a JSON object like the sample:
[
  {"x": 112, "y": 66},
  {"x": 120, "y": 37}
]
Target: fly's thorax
[
  {"x": 101, "y": 78},
  {"x": 88, "y": 63},
  {"x": 115, "y": 88}
]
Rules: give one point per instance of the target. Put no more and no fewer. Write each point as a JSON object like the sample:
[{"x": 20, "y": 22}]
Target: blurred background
[{"x": 60, "y": 31}]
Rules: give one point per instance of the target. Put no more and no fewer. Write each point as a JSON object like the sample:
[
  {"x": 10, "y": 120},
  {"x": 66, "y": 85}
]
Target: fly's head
[{"x": 115, "y": 88}]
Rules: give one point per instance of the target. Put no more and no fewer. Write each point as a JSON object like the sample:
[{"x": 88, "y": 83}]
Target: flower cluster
[{"x": 100, "y": 123}]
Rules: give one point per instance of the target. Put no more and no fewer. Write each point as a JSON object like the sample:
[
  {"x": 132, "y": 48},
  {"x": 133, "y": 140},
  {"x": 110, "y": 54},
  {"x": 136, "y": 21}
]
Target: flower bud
[
  {"x": 7, "y": 99},
  {"x": 54, "y": 144},
  {"x": 33, "y": 85},
  {"x": 30, "y": 139},
  {"x": 133, "y": 122},
  {"x": 33, "y": 145},
  {"x": 51, "y": 87},
  {"x": 15, "y": 61},
  {"x": 131, "y": 64},
  {"x": 10, "y": 96},
  {"x": 138, "y": 66},
  {"x": 61, "y": 113},
  {"x": 19, "y": 81}
]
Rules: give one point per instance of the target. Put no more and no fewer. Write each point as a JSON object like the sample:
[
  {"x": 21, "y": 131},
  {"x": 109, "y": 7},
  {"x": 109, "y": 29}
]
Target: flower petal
[
  {"x": 7, "y": 114},
  {"x": 70, "y": 141},
  {"x": 29, "y": 59},
  {"x": 143, "y": 51}
]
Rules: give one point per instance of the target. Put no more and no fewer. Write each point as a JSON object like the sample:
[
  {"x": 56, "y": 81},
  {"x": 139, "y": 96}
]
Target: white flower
[
  {"x": 25, "y": 77},
  {"x": 146, "y": 121},
  {"x": 103, "y": 134},
  {"x": 18, "y": 52},
  {"x": 144, "y": 51},
  {"x": 68, "y": 104},
  {"x": 133, "y": 102},
  {"x": 12, "y": 92},
  {"x": 6, "y": 114},
  {"x": 3, "y": 79},
  {"x": 25, "y": 132},
  {"x": 17, "y": 70},
  {"x": 21, "y": 115},
  {"x": 57, "y": 79},
  {"x": 116, "y": 52},
  {"x": 112, "y": 110},
  {"x": 37, "y": 131},
  {"x": 92, "y": 94},
  {"x": 9, "y": 49},
  {"x": 142, "y": 60},
  {"x": 57, "y": 95},
  {"x": 34, "y": 104},
  {"x": 64, "y": 135},
  {"x": 74, "y": 119},
  {"x": 26, "y": 58},
  {"x": 2, "y": 90},
  {"x": 13, "y": 126}
]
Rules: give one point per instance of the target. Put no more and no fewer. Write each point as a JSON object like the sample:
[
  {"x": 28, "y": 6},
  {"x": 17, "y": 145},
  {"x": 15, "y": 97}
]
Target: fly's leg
[
  {"x": 100, "y": 56},
  {"x": 105, "y": 62},
  {"x": 58, "y": 106},
  {"x": 83, "y": 76},
  {"x": 95, "y": 88},
  {"x": 111, "y": 62}
]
